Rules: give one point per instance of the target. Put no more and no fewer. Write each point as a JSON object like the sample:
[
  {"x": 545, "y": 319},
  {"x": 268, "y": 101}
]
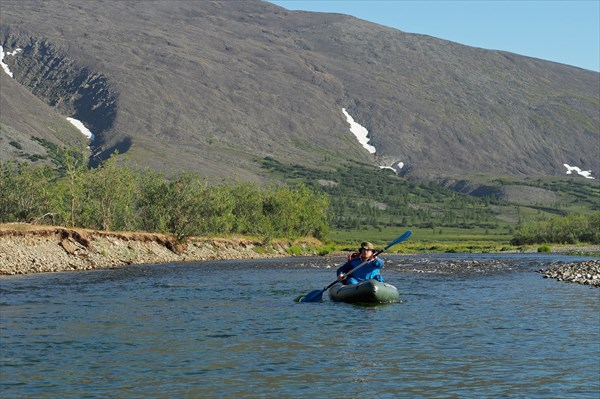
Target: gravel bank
[
  {"x": 26, "y": 249},
  {"x": 587, "y": 273}
]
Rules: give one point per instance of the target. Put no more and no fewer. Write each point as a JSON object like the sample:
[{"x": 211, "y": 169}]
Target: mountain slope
[
  {"x": 36, "y": 120},
  {"x": 214, "y": 86}
]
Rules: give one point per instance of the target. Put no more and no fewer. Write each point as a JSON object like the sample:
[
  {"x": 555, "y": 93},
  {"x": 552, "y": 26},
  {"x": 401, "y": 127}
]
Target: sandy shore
[{"x": 26, "y": 249}]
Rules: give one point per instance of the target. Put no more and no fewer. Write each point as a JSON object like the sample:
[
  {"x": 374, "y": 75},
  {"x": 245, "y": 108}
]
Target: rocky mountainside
[{"x": 215, "y": 86}]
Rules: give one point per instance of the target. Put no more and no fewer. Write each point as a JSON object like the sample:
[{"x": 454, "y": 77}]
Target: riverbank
[
  {"x": 587, "y": 273},
  {"x": 26, "y": 249}
]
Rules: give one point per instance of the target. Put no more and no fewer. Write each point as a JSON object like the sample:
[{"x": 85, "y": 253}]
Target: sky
[{"x": 567, "y": 32}]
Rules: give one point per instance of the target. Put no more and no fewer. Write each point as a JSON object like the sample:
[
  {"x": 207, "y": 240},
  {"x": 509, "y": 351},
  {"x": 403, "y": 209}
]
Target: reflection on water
[{"x": 231, "y": 329}]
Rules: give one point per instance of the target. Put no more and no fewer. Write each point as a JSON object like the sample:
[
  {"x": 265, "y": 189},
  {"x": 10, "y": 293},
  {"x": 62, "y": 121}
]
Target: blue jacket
[{"x": 368, "y": 271}]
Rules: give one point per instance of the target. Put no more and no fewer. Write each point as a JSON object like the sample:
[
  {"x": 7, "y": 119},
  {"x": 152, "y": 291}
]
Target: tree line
[
  {"x": 120, "y": 197},
  {"x": 570, "y": 229}
]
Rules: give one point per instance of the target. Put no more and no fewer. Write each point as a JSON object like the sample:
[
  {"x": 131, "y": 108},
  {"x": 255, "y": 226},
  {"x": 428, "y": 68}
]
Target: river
[{"x": 490, "y": 327}]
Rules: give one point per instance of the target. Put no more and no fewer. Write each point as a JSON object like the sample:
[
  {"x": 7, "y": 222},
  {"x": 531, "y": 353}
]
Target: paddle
[{"x": 317, "y": 295}]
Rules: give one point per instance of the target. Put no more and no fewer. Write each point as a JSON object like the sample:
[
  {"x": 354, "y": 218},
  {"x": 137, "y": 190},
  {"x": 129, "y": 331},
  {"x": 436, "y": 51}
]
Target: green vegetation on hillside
[
  {"x": 118, "y": 197},
  {"x": 571, "y": 229},
  {"x": 369, "y": 202},
  {"x": 362, "y": 196},
  {"x": 345, "y": 205},
  {"x": 573, "y": 195}
]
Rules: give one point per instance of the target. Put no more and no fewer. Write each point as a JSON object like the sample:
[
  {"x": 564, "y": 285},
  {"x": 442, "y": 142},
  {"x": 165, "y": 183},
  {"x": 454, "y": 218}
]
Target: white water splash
[
  {"x": 585, "y": 173},
  {"x": 360, "y": 132}
]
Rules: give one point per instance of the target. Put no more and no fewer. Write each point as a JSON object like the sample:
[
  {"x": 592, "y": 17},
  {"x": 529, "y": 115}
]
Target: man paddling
[{"x": 369, "y": 270}]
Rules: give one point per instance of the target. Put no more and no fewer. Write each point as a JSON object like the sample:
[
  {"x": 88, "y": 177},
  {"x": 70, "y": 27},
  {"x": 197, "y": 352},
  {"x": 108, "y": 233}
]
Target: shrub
[
  {"x": 569, "y": 229},
  {"x": 325, "y": 249},
  {"x": 294, "y": 250},
  {"x": 544, "y": 248},
  {"x": 115, "y": 196}
]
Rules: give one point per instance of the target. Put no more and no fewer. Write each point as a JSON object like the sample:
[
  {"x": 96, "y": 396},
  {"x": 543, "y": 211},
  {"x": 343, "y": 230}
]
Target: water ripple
[{"x": 493, "y": 328}]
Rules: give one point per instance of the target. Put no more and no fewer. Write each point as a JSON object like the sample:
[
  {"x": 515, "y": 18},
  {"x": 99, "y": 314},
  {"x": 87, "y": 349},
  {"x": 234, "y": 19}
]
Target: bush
[
  {"x": 16, "y": 144},
  {"x": 544, "y": 248},
  {"x": 326, "y": 249},
  {"x": 570, "y": 229},
  {"x": 294, "y": 250},
  {"x": 116, "y": 196}
]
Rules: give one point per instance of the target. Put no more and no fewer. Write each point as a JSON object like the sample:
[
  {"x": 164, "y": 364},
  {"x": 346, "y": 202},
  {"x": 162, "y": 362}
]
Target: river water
[{"x": 491, "y": 329}]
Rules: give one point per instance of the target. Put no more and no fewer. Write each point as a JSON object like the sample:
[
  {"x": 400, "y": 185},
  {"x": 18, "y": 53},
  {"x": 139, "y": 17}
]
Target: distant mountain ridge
[{"x": 215, "y": 86}]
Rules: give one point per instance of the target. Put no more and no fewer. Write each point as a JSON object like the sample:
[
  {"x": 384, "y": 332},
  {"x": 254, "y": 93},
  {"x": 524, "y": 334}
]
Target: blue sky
[{"x": 555, "y": 30}]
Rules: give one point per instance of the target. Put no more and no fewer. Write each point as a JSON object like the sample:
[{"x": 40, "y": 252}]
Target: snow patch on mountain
[
  {"x": 360, "y": 132},
  {"x": 395, "y": 166},
  {"x": 79, "y": 125},
  {"x": 3, "y": 64},
  {"x": 585, "y": 173}
]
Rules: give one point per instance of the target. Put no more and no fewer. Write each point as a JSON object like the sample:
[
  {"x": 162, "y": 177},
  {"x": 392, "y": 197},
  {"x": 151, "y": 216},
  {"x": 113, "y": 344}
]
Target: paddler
[{"x": 369, "y": 270}]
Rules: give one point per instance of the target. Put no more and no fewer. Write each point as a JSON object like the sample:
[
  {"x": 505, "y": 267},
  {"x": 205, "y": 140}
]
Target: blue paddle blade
[
  {"x": 313, "y": 296},
  {"x": 317, "y": 295},
  {"x": 398, "y": 240}
]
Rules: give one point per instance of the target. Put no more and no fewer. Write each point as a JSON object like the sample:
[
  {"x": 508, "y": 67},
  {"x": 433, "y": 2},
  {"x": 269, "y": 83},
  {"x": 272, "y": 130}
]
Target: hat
[{"x": 366, "y": 245}]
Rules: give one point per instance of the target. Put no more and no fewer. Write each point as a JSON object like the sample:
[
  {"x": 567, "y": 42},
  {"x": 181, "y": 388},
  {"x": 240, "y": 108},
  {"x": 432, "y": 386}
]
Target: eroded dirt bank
[{"x": 28, "y": 249}]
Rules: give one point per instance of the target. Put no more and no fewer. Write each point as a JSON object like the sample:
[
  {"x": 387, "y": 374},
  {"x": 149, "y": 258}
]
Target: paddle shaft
[
  {"x": 356, "y": 268},
  {"x": 317, "y": 294},
  {"x": 398, "y": 240}
]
